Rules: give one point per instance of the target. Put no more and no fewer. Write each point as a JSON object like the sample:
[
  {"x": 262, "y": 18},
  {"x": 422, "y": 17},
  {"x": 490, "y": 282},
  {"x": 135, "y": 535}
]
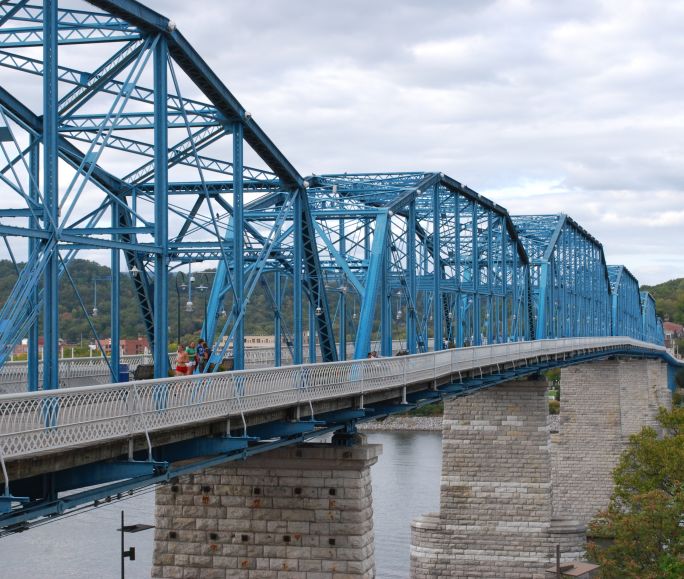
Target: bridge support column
[
  {"x": 495, "y": 516},
  {"x": 602, "y": 403},
  {"x": 302, "y": 512}
]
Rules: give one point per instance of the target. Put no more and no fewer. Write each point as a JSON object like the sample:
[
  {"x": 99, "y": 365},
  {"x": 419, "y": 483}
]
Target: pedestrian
[
  {"x": 181, "y": 361},
  {"x": 200, "y": 355},
  {"x": 192, "y": 354},
  {"x": 207, "y": 355}
]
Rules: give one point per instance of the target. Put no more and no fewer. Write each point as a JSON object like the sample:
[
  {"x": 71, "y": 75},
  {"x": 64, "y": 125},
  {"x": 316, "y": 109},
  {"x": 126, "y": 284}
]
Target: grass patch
[{"x": 434, "y": 409}]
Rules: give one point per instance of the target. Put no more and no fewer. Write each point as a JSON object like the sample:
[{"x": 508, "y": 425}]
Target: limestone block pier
[
  {"x": 301, "y": 512},
  {"x": 496, "y": 505}
]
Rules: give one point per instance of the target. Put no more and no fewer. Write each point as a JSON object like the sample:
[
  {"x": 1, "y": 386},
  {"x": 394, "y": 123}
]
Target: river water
[{"x": 87, "y": 546}]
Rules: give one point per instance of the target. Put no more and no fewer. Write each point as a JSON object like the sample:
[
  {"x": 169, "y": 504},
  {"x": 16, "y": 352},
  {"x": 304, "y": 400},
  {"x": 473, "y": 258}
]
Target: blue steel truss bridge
[{"x": 120, "y": 142}]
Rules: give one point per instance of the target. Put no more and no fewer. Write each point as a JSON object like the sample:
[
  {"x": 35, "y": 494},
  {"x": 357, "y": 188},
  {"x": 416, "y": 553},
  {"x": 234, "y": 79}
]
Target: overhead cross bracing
[{"x": 141, "y": 152}]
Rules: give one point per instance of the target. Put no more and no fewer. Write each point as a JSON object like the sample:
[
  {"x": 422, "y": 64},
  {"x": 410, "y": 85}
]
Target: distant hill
[
  {"x": 669, "y": 298},
  {"x": 74, "y": 325}
]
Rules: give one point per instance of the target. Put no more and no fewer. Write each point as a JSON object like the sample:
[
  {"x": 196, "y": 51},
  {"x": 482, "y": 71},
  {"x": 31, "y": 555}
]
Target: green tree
[
  {"x": 645, "y": 518},
  {"x": 669, "y": 298}
]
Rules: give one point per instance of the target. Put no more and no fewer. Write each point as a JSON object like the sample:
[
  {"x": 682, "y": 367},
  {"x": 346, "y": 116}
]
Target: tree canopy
[{"x": 645, "y": 518}]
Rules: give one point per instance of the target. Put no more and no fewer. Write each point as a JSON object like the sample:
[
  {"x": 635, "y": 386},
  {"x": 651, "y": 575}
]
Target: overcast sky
[
  {"x": 572, "y": 106},
  {"x": 543, "y": 106}
]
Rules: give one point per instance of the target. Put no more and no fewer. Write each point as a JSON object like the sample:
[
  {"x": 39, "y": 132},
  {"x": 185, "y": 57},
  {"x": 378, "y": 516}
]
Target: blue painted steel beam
[
  {"x": 437, "y": 310},
  {"x": 51, "y": 195},
  {"x": 115, "y": 293},
  {"x": 373, "y": 280},
  {"x": 411, "y": 266},
  {"x": 161, "y": 236},
  {"x": 200, "y": 447},
  {"x": 33, "y": 346},
  {"x": 238, "y": 248}
]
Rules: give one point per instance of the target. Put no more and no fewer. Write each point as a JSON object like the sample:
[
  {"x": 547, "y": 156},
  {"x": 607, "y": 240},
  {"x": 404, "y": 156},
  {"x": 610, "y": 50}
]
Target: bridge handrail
[{"x": 39, "y": 422}]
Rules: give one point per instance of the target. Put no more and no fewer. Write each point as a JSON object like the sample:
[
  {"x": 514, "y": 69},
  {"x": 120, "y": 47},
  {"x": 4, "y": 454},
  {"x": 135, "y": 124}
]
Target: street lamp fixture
[
  {"x": 188, "y": 306},
  {"x": 95, "y": 311},
  {"x": 129, "y": 553}
]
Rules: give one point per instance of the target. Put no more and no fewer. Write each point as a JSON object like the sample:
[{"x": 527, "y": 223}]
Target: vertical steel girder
[
  {"x": 161, "y": 226},
  {"x": 314, "y": 283},
  {"x": 33, "y": 338},
  {"x": 238, "y": 250},
  {"x": 51, "y": 194},
  {"x": 418, "y": 260}
]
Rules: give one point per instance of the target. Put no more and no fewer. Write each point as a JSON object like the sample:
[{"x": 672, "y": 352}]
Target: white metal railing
[
  {"x": 95, "y": 370},
  {"x": 14, "y": 375},
  {"x": 73, "y": 371},
  {"x": 39, "y": 422}
]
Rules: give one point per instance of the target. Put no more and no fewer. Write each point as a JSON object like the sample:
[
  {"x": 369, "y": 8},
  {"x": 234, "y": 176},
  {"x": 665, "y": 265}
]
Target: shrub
[{"x": 645, "y": 513}]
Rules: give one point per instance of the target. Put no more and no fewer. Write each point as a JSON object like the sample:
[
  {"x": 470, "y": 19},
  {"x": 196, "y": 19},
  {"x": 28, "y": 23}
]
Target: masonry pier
[
  {"x": 301, "y": 512},
  {"x": 496, "y": 515},
  {"x": 602, "y": 404}
]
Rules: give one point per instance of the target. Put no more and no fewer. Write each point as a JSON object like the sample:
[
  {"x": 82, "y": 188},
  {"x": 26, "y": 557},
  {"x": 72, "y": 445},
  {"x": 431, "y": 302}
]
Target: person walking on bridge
[
  {"x": 181, "y": 361},
  {"x": 192, "y": 355},
  {"x": 201, "y": 352}
]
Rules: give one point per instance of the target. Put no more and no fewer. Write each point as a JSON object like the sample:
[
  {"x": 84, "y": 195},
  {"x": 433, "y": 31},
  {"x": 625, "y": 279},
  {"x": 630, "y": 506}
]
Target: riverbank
[
  {"x": 395, "y": 423},
  {"x": 425, "y": 424}
]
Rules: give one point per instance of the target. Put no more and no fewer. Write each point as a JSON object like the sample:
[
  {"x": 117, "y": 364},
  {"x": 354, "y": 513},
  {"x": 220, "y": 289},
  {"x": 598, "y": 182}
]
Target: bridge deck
[
  {"x": 97, "y": 440},
  {"x": 52, "y": 421}
]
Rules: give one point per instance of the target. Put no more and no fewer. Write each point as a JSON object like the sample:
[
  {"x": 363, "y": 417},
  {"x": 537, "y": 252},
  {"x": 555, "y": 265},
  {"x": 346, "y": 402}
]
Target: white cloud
[{"x": 541, "y": 106}]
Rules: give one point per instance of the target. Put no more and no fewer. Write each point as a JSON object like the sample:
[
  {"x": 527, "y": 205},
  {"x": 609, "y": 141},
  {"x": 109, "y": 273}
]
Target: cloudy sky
[
  {"x": 543, "y": 106},
  {"x": 574, "y": 107}
]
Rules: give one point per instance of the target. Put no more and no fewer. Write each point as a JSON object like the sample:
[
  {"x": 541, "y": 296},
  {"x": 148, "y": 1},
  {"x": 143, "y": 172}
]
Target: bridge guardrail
[
  {"x": 39, "y": 422},
  {"x": 72, "y": 371}
]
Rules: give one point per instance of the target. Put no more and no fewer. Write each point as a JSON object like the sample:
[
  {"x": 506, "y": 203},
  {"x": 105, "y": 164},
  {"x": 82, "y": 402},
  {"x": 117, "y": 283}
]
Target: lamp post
[
  {"x": 201, "y": 284},
  {"x": 179, "y": 286},
  {"x": 203, "y": 288},
  {"x": 130, "y": 553},
  {"x": 95, "y": 280}
]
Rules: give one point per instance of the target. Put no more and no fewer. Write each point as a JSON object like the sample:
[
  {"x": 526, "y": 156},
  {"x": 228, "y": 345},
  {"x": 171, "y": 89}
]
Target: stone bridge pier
[
  {"x": 602, "y": 404},
  {"x": 507, "y": 499},
  {"x": 496, "y": 511},
  {"x": 301, "y": 512}
]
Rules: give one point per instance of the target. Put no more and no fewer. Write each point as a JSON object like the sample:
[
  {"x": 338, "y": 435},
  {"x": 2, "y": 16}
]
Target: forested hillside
[
  {"x": 74, "y": 325},
  {"x": 669, "y": 298}
]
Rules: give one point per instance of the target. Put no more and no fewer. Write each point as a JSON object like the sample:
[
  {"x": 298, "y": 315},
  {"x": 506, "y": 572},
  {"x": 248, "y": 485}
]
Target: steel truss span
[{"x": 139, "y": 155}]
